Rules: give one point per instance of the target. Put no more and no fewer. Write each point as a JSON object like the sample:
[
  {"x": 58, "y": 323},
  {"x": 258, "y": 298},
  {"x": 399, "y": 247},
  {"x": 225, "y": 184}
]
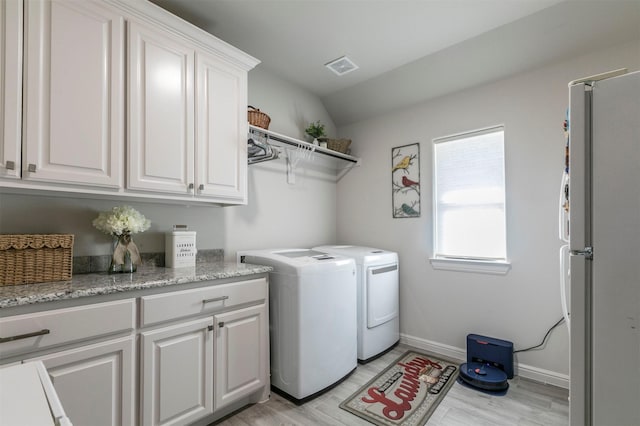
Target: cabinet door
[
  {"x": 177, "y": 373},
  {"x": 95, "y": 383},
  {"x": 221, "y": 149},
  {"x": 73, "y": 93},
  {"x": 161, "y": 123},
  {"x": 10, "y": 87},
  {"x": 241, "y": 360}
]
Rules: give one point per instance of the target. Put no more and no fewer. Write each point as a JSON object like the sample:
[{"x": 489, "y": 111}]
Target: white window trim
[
  {"x": 494, "y": 267},
  {"x": 483, "y": 266}
]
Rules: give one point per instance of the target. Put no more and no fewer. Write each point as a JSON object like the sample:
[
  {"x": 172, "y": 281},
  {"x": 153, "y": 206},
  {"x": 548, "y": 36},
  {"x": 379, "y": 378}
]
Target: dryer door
[{"x": 382, "y": 294}]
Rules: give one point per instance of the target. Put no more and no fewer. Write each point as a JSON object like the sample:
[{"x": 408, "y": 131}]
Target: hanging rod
[{"x": 298, "y": 143}]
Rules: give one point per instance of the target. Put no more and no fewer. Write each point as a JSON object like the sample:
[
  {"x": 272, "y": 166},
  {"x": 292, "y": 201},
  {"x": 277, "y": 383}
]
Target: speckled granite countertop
[{"x": 83, "y": 285}]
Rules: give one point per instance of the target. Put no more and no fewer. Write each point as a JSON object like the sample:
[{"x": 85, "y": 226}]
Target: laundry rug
[{"x": 406, "y": 393}]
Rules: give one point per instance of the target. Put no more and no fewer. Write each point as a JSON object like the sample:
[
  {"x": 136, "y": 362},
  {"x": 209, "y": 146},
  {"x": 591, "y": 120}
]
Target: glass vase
[{"x": 128, "y": 266}]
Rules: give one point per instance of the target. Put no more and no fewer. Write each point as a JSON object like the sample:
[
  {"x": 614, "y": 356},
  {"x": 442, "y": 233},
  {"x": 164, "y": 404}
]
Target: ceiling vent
[{"x": 341, "y": 66}]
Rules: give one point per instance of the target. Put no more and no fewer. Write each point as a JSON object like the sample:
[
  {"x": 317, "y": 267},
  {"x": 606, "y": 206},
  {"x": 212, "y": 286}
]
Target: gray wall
[{"x": 439, "y": 308}]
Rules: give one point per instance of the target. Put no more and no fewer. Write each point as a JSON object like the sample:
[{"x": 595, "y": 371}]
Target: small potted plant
[{"x": 315, "y": 131}]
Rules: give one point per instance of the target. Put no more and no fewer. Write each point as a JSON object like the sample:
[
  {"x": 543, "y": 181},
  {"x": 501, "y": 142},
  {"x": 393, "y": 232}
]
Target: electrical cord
[{"x": 544, "y": 339}]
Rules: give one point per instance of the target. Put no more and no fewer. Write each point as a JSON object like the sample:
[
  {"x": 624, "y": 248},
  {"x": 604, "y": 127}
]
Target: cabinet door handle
[
  {"x": 215, "y": 299},
  {"x": 221, "y": 324},
  {"x": 10, "y": 165},
  {"x": 190, "y": 187},
  {"x": 24, "y": 336},
  {"x": 201, "y": 187},
  {"x": 210, "y": 327},
  {"x": 31, "y": 168}
]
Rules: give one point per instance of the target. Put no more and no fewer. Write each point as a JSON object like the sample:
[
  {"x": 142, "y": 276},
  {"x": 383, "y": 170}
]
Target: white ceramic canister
[{"x": 180, "y": 248}]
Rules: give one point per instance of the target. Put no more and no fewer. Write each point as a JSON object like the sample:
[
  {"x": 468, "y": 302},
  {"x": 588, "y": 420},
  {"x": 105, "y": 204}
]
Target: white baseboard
[
  {"x": 447, "y": 351},
  {"x": 459, "y": 354}
]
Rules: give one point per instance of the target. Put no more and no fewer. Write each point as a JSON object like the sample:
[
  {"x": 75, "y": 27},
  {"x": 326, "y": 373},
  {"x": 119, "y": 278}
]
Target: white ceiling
[{"x": 407, "y": 50}]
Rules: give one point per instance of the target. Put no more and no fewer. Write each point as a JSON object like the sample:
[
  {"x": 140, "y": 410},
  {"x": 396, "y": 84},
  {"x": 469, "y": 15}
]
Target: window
[{"x": 469, "y": 198}]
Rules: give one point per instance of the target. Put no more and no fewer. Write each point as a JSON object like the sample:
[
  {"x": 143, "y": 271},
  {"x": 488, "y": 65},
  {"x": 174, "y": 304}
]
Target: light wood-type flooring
[{"x": 527, "y": 403}]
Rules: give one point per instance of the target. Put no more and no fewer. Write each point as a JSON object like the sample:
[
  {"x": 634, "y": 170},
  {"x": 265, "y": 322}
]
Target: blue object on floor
[
  {"x": 484, "y": 377},
  {"x": 467, "y": 385},
  {"x": 487, "y": 350}
]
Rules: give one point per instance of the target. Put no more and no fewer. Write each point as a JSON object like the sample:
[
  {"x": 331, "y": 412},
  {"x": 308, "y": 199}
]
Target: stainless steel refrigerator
[{"x": 600, "y": 219}]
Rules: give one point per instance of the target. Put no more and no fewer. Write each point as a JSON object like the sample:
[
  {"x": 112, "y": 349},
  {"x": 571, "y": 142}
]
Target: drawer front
[
  {"x": 169, "y": 306},
  {"x": 27, "y": 333}
]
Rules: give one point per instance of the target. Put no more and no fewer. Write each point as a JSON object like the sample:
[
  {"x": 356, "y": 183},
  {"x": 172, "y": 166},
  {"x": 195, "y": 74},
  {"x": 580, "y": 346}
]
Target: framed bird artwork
[{"x": 405, "y": 180}]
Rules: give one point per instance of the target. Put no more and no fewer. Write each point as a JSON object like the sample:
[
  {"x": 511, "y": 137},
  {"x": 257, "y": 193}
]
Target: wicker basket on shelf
[
  {"x": 340, "y": 145},
  {"x": 35, "y": 258},
  {"x": 258, "y": 118}
]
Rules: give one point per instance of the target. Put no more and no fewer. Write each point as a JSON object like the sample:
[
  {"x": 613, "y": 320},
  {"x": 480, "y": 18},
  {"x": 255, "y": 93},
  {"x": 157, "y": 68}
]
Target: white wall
[
  {"x": 290, "y": 107},
  {"x": 439, "y": 308},
  {"x": 277, "y": 215}
]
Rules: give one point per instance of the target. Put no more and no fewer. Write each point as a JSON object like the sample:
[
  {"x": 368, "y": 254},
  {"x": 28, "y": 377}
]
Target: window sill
[{"x": 469, "y": 265}]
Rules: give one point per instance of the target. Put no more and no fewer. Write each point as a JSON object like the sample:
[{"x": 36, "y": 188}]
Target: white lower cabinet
[
  {"x": 95, "y": 383},
  {"x": 188, "y": 374},
  {"x": 171, "y": 358},
  {"x": 191, "y": 368},
  {"x": 241, "y": 358},
  {"x": 177, "y": 373},
  {"x": 93, "y": 377}
]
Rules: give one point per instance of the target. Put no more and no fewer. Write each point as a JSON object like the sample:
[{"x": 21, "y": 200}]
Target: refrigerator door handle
[
  {"x": 564, "y": 273},
  {"x": 563, "y": 208},
  {"x": 587, "y": 253}
]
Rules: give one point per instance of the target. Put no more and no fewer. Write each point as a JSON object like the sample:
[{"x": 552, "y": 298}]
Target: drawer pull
[
  {"x": 24, "y": 336},
  {"x": 215, "y": 299}
]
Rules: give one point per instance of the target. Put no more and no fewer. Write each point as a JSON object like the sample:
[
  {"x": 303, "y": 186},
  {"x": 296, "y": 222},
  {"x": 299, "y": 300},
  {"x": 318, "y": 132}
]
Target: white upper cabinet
[
  {"x": 73, "y": 93},
  {"x": 110, "y": 97},
  {"x": 161, "y": 123},
  {"x": 221, "y": 115},
  {"x": 172, "y": 148},
  {"x": 10, "y": 87}
]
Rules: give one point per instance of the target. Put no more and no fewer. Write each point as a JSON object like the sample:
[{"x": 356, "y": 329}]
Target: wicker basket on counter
[
  {"x": 340, "y": 145},
  {"x": 35, "y": 258},
  {"x": 258, "y": 118}
]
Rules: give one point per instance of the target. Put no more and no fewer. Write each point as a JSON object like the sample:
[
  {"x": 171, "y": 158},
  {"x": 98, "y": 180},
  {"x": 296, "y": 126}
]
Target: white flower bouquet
[{"x": 122, "y": 220}]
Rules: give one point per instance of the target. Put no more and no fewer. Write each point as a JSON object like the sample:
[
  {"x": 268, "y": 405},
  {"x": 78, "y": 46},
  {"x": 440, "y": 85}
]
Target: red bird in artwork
[{"x": 408, "y": 182}]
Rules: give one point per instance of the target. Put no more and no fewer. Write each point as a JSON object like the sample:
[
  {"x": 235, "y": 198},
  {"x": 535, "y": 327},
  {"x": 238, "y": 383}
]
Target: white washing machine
[
  {"x": 378, "y": 297},
  {"x": 312, "y": 318}
]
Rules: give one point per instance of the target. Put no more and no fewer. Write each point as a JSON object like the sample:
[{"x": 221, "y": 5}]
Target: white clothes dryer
[
  {"x": 378, "y": 297},
  {"x": 312, "y": 319}
]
